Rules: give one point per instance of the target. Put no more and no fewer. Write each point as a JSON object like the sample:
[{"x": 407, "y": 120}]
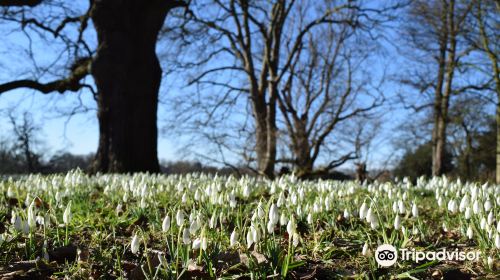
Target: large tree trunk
[
  {"x": 265, "y": 136},
  {"x": 127, "y": 74}
]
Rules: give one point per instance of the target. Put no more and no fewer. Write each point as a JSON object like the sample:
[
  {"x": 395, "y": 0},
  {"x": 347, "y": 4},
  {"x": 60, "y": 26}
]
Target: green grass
[{"x": 108, "y": 210}]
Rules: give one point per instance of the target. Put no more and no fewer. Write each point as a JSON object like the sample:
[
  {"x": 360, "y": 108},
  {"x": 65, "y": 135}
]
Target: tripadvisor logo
[{"x": 386, "y": 255}]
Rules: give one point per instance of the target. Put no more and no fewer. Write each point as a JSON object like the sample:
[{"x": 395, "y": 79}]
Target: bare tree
[
  {"x": 26, "y": 139},
  {"x": 250, "y": 50},
  {"x": 487, "y": 15},
  {"x": 323, "y": 91},
  {"x": 435, "y": 30},
  {"x": 123, "y": 65}
]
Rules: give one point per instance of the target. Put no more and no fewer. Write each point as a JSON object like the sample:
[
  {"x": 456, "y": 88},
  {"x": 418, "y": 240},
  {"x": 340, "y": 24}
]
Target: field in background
[{"x": 196, "y": 226}]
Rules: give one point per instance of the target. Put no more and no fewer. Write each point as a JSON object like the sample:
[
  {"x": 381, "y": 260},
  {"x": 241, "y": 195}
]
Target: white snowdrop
[
  {"x": 165, "y": 226},
  {"x": 134, "y": 245}
]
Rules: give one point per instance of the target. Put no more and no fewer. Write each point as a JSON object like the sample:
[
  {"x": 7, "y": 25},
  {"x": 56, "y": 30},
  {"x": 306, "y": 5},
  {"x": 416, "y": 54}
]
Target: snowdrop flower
[
  {"x": 194, "y": 226},
  {"x": 346, "y": 214},
  {"x": 497, "y": 240},
  {"x": 463, "y": 203},
  {"x": 490, "y": 218},
  {"x": 185, "y": 237},
  {"x": 179, "y": 217},
  {"x": 31, "y": 215},
  {"x": 184, "y": 198},
  {"x": 476, "y": 207},
  {"x": 452, "y": 206},
  {"x": 204, "y": 243},
  {"x": 67, "y": 214},
  {"x": 260, "y": 211},
  {"x": 273, "y": 214},
  {"x": 165, "y": 226},
  {"x": 467, "y": 213},
  {"x": 483, "y": 223},
  {"x": 18, "y": 223},
  {"x": 470, "y": 233},
  {"x": 134, "y": 245},
  {"x": 370, "y": 216},
  {"x": 374, "y": 224},
  {"x": 249, "y": 238},
  {"x": 255, "y": 234},
  {"x": 362, "y": 211},
  {"x": 270, "y": 227},
  {"x": 310, "y": 219},
  {"x": 366, "y": 250},
  {"x": 414, "y": 210},
  {"x": 487, "y": 205},
  {"x": 401, "y": 207},
  {"x": 246, "y": 191},
  {"x": 196, "y": 244},
  {"x": 10, "y": 192},
  {"x": 397, "y": 222},
  {"x": 295, "y": 239},
  {"x": 281, "y": 200},
  {"x": 213, "y": 221},
  {"x": 283, "y": 219},
  {"x": 291, "y": 227},
  {"x": 490, "y": 262},
  {"x": 234, "y": 238}
]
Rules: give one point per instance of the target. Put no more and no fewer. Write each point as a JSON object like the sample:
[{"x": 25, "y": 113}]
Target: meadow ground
[{"x": 209, "y": 227}]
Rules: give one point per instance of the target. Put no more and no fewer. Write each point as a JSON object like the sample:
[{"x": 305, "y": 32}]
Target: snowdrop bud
[
  {"x": 165, "y": 226},
  {"x": 185, "y": 237},
  {"x": 134, "y": 245},
  {"x": 445, "y": 228},
  {"x": 273, "y": 214},
  {"x": 366, "y": 250},
  {"x": 234, "y": 238},
  {"x": 18, "y": 224},
  {"x": 414, "y": 210},
  {"x": 397, "y": 222},
  {"x": 467, "y": 213},
  {"x": 497, "y": 241},
  {"x": 179, "y": 217},
  {"x": 295, "y": 239},
  {"x": 470, "y": 233},
  {"x": 196, "y": 244},
  {"x": 184, "y": 198},
  {"x": 283, "y": 219},
  {"x": 67, "y": 214},
  {"x": 362, "y": 211},
  {"x": 415, "y": 230},
  {"x": 374, "y": 224}
]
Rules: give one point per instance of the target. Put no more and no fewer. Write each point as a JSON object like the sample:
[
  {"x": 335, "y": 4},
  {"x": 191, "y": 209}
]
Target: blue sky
[{"x": 79, "y": 134}]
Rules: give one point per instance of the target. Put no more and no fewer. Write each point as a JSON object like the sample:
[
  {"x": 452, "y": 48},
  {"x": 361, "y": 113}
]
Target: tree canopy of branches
[{"x": 123, "y": 65}]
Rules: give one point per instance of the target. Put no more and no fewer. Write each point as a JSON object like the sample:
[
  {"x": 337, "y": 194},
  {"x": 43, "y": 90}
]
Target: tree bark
[{"x": 127, "y": 74}]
